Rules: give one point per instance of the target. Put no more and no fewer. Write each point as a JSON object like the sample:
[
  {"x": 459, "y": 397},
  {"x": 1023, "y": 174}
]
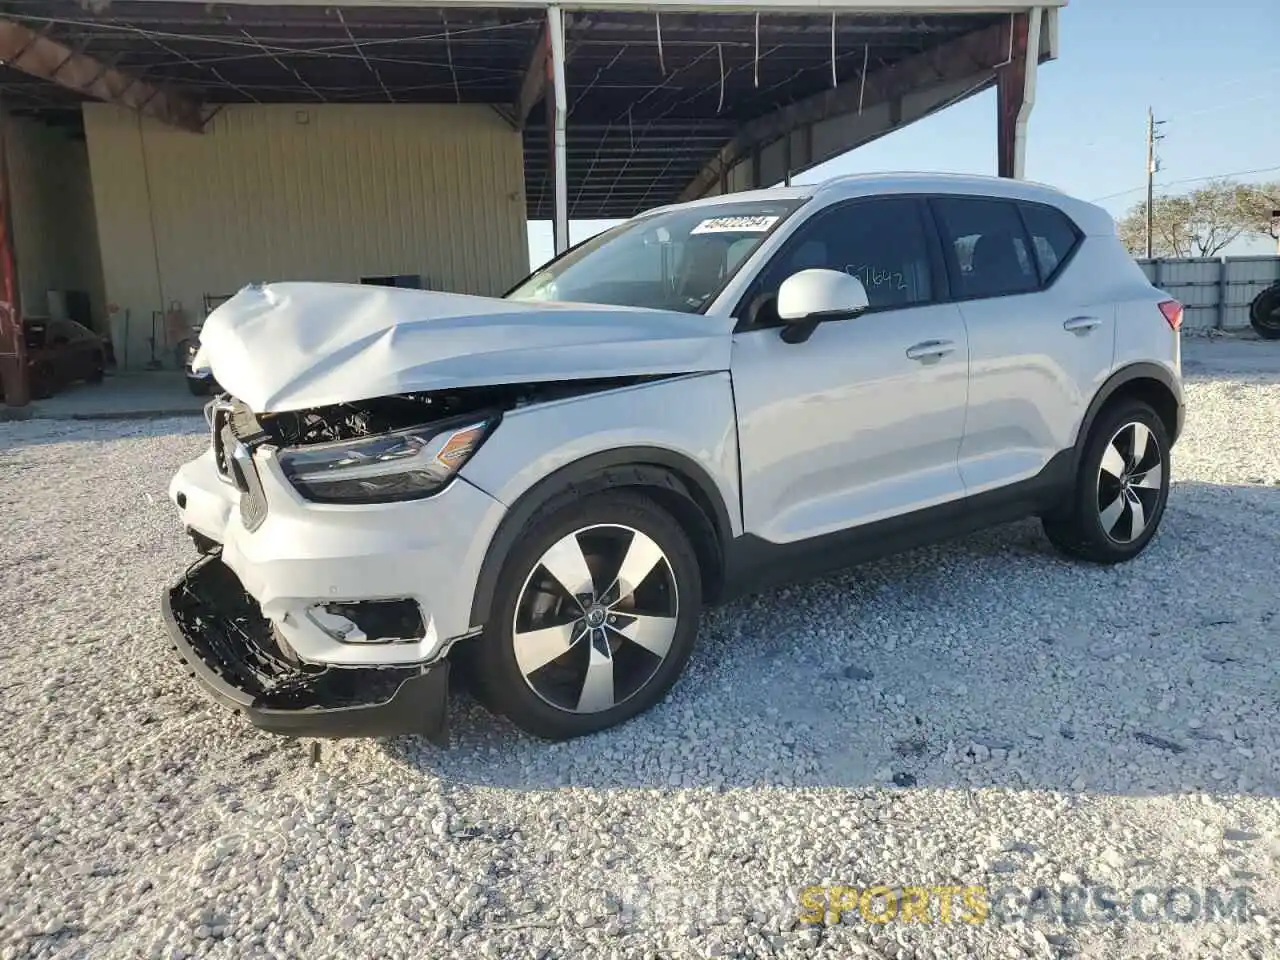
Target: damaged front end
[
  {"x": 364, "y": 418},
  {"x": 383, "y": 450},
  {"x": 244, "y": 663},
  {"x": 280, "y": 621}
]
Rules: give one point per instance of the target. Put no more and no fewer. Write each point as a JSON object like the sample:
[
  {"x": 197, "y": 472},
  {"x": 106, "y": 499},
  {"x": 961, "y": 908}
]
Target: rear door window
[{"x": 986, "y": 247}]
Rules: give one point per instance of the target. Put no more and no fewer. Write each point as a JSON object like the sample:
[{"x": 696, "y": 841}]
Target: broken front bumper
[
  {"x": 231, "y": 648},
  {"x": 305, "y": 555}
]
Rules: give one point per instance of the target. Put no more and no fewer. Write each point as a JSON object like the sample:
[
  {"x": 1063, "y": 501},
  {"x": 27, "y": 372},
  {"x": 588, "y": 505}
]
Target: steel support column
[
  {"x": 1016, "y": 94},
  {"x": 557, "y": 116}
]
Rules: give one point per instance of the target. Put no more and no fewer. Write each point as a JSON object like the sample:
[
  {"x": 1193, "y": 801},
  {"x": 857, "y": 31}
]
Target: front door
[{"x": 862, "y": 421}]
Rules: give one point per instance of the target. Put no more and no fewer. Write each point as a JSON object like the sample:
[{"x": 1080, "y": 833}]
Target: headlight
[
  {"x": 401, "y": 465},
  {"x": 195, "y": 358}
]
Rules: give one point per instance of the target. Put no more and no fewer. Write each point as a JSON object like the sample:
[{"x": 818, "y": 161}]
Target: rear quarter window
[{"x": 1054, "y": 237}]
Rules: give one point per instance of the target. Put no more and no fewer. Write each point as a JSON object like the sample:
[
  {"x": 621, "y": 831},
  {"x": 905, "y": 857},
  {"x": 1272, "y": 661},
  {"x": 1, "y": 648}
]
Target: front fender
[{"x": 677, "y": 433}]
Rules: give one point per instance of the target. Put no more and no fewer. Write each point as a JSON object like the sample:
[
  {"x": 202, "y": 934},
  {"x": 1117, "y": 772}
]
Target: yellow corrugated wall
[
  {"x": 54, "y": 235},
  {"x": 289, "y": 192}
]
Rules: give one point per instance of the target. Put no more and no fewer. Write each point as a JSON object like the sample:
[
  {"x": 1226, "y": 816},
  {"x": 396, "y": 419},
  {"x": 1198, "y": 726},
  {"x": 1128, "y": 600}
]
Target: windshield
[{"x": 677, "y": 260}]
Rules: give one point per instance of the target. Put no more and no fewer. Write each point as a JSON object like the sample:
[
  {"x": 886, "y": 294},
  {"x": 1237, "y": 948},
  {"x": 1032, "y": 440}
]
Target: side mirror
[{"x": 809, "y": 297}]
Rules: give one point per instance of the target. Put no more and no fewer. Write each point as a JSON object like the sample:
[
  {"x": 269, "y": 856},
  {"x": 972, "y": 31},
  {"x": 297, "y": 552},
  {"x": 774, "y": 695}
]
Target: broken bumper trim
[{"x": 222, "y": 636}]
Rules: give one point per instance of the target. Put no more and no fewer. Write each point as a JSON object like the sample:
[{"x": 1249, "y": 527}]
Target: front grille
[
  {"x": 253, "y": 502},
  {"x": 235, "y": 434},
  {"x": 218, "y": 412}
]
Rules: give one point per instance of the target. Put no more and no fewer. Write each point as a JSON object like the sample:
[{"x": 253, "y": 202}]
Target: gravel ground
[{"x": 981, "y": 714}]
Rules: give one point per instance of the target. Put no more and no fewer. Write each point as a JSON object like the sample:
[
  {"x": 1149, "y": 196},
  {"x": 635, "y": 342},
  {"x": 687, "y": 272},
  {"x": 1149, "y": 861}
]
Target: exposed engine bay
[{"x": 362, "y": 418}]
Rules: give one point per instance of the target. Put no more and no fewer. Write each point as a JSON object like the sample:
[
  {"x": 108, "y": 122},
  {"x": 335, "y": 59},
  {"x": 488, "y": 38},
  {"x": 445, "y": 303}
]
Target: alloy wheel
[
  {"x": 595, "y": 618},
  {"x": 1130, "y": 479}
]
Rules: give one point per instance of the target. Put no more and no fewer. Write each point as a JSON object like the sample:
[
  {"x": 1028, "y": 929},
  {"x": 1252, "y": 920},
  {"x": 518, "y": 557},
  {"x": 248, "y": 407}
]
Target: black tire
[
  {"x": 43, "y": 383},
  {"x": 199, "y": 388},
  {"x": 1264, "y": 313},
  {"x": 499, "y": 681},
  {"x": 1081, "y": 531}
]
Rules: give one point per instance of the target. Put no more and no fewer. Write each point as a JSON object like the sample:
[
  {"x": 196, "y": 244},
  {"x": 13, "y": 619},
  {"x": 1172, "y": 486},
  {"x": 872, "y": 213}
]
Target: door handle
[
  {"x": 1081, "y": 324},
  {"x": 930, "y": 350}
]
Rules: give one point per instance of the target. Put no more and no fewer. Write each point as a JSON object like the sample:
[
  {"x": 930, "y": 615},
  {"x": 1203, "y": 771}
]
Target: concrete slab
[
  {"x": 122, "y": 396},
  {"x": 1223, "y": 356}
]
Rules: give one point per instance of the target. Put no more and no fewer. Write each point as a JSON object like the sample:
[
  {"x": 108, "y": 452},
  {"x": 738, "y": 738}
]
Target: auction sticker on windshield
[{"x": 736, "y": 225}]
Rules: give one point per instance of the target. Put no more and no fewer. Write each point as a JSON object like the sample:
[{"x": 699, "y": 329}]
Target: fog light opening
[
  {"x": 205, "y": 545},
  {"x": 370, "y": 621}
]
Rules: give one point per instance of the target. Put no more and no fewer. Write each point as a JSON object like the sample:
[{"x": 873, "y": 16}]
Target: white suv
[{"x": 702, "y": 401}]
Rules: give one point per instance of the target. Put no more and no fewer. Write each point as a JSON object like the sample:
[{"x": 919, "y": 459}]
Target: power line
[
  {"x": 1256, "y": 77},
  {"x": 1199, "y": 111},
  {"x": 1174, "y": 183},
  {"x": 1226, "y": 104}
]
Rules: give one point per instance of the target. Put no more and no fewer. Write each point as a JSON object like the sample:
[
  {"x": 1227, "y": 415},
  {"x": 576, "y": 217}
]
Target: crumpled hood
[{"x": 288, "y": 346}]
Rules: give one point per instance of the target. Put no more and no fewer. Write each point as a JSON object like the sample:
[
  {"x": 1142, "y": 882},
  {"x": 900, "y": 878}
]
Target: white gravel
[{"x": 982, "y": 713}]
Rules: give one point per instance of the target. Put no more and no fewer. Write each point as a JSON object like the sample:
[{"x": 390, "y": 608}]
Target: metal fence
[{"x": 1215, "y": 293}]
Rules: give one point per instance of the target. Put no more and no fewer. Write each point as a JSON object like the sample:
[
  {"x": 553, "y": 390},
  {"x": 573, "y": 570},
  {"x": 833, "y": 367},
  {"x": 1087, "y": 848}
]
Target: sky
[{"x": 1209, "y": 70}]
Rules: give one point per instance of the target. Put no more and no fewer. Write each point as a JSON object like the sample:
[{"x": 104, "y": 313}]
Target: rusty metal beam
[
  {"x": 15, "y": 386},
  {"x": 534, "y": 86},
  {"x": 972, "y": 54},
  {"x": 538, "y": 74},
  {"x": 40, "y": 56},
  {"x": 1012, "y": 81}
]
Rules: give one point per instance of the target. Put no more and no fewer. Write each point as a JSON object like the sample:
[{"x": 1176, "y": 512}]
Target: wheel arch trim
[
  {"x": 591, "y": 474},
  {"x": 1127, "y": 374}
]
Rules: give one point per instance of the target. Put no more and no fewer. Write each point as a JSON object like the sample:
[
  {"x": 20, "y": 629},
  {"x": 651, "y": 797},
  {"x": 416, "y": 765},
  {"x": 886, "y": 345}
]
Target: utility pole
[{"x": 1153, "y": 164}]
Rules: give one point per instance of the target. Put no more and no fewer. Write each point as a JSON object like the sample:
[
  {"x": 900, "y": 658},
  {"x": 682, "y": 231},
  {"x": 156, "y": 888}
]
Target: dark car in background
[
  {"x": 199, "y": 382},
  {"x": 60, "y": 352}
]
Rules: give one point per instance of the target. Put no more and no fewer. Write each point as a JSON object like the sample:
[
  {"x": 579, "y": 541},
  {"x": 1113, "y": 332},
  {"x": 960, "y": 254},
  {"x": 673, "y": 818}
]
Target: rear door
[
  {"x": 863, "y": 420},
  {"x": 1040, "y": 339}
]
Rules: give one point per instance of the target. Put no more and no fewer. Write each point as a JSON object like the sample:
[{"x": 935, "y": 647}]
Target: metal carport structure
[{"x": 622, "y": 105}]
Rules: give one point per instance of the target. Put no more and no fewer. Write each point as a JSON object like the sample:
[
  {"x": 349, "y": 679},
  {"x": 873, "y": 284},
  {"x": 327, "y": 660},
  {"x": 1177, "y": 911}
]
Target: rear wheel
[
  {"x": 594, "y": 617},
  {"x": 1121, "y": 487}
]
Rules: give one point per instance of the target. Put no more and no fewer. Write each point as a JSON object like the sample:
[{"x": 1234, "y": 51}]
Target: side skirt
[{"x": 753, "y": 564}]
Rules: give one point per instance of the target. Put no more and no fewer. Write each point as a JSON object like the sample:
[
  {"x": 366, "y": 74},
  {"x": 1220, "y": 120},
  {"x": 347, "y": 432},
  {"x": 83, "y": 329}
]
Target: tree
[
  {"x": 1262, "y": 200},
  {"x": 1201, "y": 222}
]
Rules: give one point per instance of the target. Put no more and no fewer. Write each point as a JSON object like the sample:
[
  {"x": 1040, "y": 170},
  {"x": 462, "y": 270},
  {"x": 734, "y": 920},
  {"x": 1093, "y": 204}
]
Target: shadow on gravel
[
  {"x": 17, "y": 434},
  {"x": 1194, "y": 371},
  {"x": 1245, "y": 359},
  {"x": 986, "y": 662}
]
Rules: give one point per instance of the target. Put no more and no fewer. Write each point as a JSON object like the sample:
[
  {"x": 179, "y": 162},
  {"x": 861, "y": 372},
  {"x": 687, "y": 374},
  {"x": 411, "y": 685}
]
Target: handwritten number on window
[{"x": 873, "y": 278}]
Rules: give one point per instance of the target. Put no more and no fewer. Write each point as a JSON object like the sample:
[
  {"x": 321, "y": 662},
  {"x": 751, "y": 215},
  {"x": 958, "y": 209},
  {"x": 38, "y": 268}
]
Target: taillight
[{"x": 1172, "y": 311}]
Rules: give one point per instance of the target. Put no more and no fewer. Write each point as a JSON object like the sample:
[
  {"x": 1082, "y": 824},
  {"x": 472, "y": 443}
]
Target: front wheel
[
  {"x": 1121, "y": 488},
  {"x": 594, "y": 616}
]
